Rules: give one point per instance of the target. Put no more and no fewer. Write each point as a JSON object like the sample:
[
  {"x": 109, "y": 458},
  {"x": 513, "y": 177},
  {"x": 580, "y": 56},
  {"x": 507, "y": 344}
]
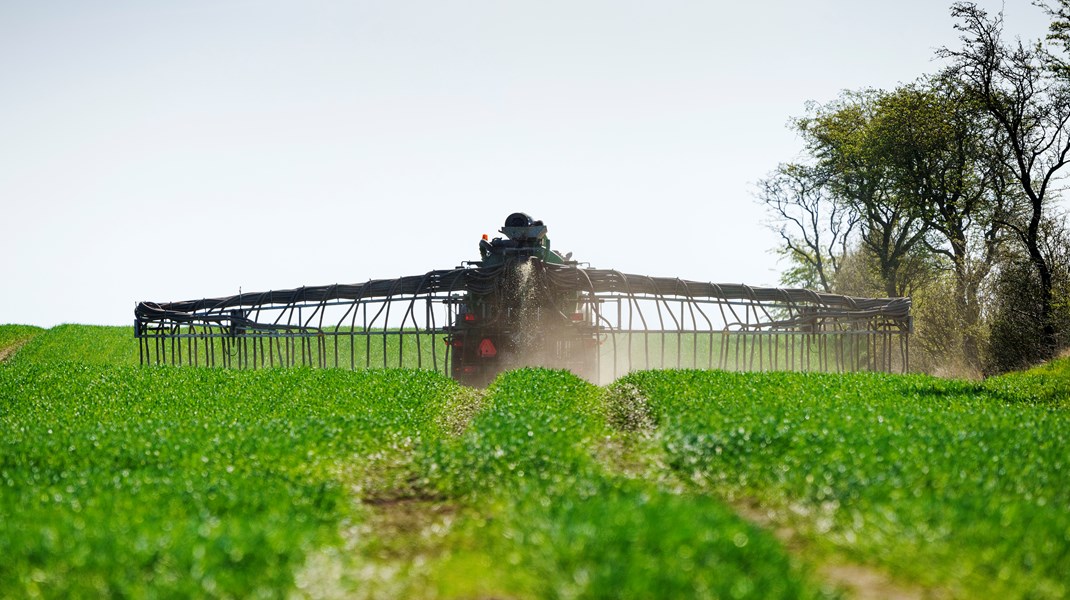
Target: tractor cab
[{"x": 524, "y": 237}]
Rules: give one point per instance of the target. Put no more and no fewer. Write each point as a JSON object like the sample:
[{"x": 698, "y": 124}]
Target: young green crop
[
  {"x": 555, "y": 515},
  {"x": 90, "y": 344},
  {"x": 126, "y": 481},
  {"x": 14, "y": 335},
  {"x": 168, "y": 481},
  {"x": 119, "y": 480},
  {"x": 945, "y": 483},
  {"x": 1047, "y": 384}
]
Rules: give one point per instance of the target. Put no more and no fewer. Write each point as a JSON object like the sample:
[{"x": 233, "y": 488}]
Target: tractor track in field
[
  {"x": 859, "y": 581},
  {"x": 9, "y": 351},
  {"x": 397, "y": 532},
  {"x": 640, "y": 455},
  {"x": 402, "y": 526},
  {"x": 460, "y": 409}
]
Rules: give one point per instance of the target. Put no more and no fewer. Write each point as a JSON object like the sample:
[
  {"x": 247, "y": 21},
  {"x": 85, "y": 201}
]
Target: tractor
[
  {"x": 522, "y": 320},
  {"x": 525, "y": 304}
]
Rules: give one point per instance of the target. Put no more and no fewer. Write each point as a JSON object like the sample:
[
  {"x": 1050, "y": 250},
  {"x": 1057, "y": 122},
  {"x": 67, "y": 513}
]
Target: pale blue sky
[{"x": 166, "y": 151}]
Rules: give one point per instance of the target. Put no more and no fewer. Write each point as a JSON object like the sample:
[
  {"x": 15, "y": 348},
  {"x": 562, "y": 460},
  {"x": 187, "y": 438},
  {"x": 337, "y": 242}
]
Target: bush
[{"x": 1017, "y": 327}]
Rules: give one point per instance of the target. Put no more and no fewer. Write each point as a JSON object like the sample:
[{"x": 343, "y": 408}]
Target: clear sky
[{"x": 169, "y": 151}]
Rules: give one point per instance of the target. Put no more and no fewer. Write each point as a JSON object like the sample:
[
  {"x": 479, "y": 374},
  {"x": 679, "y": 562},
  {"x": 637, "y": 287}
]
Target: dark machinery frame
[{"x": 626, "y": 322}]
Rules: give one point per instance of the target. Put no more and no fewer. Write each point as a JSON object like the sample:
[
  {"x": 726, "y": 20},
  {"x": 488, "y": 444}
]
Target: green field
[
  {"x": 120, "y": 480},
  {"x": 12, "y": 337}
]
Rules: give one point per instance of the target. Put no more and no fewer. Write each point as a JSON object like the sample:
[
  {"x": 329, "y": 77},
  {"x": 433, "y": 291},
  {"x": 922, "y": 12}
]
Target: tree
[
  {"x": 1059, "y": 33},
  {"x": 1019, "y": 87},
  {"x": 1016, "y": 340},
  {"x": 935, "y": 142},
  {"x": 841, "y": 138},
  {"x": 814, "y": 229}
]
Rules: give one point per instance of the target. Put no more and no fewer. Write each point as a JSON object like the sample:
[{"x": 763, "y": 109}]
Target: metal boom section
[{"x": 474, "y": 322}]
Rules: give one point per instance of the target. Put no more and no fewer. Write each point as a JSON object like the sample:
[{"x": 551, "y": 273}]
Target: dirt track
[{"x": 6, "y": 353}]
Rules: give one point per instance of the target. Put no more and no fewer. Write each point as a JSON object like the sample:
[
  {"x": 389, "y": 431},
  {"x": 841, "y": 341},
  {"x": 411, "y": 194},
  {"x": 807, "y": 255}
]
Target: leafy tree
[
  {"x": 1020, "y": 86},
  {"x": 841, "y": 138},
  {"x": 937, "y": 186},
  {"x": 935, "y": 142},
  {"x": 1059, "y": 33}
]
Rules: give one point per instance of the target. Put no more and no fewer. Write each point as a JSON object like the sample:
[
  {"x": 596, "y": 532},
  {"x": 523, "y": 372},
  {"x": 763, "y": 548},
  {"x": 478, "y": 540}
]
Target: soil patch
[
  {"x": 858, "y": 581},
  {"x": 461, "y": 408},
  {"x": 8, "y": 352}
]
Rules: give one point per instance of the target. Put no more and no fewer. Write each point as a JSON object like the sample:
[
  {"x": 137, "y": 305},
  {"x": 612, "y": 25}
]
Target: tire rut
[{"x": 639, "y": 454}]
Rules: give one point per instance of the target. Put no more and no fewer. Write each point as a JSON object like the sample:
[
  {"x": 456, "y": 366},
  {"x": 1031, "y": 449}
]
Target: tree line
[{"x": 945, "y": 189}]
